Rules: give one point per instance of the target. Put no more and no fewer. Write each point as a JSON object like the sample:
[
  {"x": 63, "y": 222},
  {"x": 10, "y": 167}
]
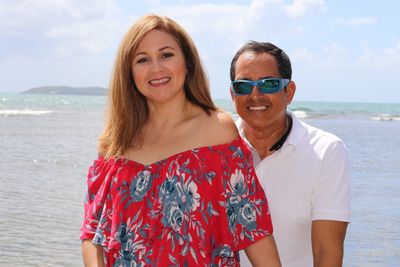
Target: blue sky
[{"x": 340, "y": 50}]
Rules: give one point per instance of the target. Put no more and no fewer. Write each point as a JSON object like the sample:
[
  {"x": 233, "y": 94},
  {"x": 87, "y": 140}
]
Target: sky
[{"x": 346, "y": 51}]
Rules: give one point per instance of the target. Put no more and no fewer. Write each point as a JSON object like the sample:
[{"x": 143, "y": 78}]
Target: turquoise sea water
[{"x": 48, "y": 142}]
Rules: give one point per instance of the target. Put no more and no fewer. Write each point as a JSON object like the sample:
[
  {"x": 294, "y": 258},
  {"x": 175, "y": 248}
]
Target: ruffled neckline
[{"x": 176, "y": 155}]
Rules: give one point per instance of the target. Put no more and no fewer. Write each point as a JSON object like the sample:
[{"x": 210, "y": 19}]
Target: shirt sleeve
[
  {"x": 243, "y": 213},
  {"x": 331, "y": 197},
  {"x": 98, "y": 204}
]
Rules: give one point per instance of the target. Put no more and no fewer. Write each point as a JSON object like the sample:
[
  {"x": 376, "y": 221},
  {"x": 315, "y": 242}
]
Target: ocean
[{"x": 48, "y": 142}]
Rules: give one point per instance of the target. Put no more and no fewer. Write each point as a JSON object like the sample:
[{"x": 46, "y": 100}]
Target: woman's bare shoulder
[{"x": 223, "y": 127}]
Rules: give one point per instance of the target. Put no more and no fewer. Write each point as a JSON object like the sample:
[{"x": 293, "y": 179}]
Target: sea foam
[
  {"x": 301, "y": 114},
  {"x": 23, "y": 112},
  {"x": 385, "y": 117}
]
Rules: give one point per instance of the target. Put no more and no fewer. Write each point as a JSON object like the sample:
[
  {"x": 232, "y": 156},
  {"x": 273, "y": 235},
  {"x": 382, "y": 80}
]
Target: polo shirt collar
[
  {"x": 298, "y": 130},
  {"x": 294, "y": 138}
]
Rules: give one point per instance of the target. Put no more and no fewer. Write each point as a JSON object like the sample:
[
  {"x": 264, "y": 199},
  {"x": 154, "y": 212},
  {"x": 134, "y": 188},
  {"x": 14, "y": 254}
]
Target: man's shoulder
[
  {"x": 315, "y": 132},
  {"x": 321, "y": 140}
]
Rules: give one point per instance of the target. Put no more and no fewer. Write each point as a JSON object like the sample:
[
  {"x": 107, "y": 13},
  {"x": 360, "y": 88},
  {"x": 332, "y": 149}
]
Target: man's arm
[
  {"x": 263, "y": 253},
  {"x": 92, "y": 254},
  {"x": 327, "y": 242},
  {"x": 331, "y": 207}
]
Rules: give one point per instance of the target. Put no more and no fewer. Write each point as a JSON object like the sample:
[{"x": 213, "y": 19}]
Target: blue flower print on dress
[
  {"x": 230, "y": 212},
  {"x": 187, "y": 194},
  {"x": 225, "y": 251},
  {"x": 133, "y": 252},
  {"x": 128, "y": 260},
  {"x": 99, "y": 238},
  {"x": 165, "y": 214},
  {"x": 239, "y": 209},
  {"x": 173, "y": 215},
  {"x": 167, "y": 189},
  {"x": 247, "y": 215},
  {"x": 237, "y": 190},
  {"x": 180, "y": 198},
  {"x": 140, "y": 185},
  {"x": 238, "y": 187},
  {"x": 121, "y": 234},
  {"x": 225, "y": 255}
]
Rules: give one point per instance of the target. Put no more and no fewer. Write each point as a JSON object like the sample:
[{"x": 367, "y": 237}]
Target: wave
[
  {"x": 385, "y": 117},
  {"x": 301, "y": 114},
  {"x": 23, "y": 112}
]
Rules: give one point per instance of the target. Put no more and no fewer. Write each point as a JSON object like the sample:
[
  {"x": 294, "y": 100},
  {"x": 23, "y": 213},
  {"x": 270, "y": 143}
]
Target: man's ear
[
  {"x": 232, "y": 96},
  {"x": 290, "y": 91}
]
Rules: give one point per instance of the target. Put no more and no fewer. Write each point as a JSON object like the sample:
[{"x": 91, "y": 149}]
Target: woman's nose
[{"x": 156, "y": 66}]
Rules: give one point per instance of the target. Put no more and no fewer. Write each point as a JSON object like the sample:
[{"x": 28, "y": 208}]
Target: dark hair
[{"x": 283, "y": 61}]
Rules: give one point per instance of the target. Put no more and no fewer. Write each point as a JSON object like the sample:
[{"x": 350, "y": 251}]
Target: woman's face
[{"x": 159, "y": 67}]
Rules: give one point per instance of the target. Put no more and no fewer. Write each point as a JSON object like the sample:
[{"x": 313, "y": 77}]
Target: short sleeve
[
  {"x": 331, "y": 198},
  {"x": 98, "y": 205},
  {"x": 242, "y": 208}
]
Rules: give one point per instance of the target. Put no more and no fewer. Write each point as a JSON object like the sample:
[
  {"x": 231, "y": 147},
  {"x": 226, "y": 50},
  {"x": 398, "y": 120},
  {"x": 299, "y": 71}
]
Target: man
[{"x": 303, "y": 169}]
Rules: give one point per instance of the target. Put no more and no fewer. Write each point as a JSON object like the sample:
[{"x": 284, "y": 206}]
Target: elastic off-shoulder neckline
[{"x": 175, "y": 155}]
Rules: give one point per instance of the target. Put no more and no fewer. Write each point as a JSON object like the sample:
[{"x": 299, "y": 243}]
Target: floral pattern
[
  {"x": 140, "y": 185},
  {"x": 195, "y": 208}
]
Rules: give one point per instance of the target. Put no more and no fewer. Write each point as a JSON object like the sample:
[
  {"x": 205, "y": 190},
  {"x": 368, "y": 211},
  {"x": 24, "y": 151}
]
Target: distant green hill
[{"x": 66, "y": 90}]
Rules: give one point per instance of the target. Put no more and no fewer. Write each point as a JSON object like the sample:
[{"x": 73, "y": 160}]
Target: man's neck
[{"x": 266, "y": 140}]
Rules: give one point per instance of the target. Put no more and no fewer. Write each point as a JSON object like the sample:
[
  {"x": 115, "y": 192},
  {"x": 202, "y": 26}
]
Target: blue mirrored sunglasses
[{"x": 266, "y": 86}]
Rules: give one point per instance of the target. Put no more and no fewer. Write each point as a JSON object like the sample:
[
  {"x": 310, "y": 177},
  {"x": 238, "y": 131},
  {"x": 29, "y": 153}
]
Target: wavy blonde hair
[{"x": 127, "y": 109}]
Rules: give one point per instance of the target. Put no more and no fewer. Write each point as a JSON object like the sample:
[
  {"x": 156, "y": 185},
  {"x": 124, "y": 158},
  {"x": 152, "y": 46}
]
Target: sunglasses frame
[{"x": 282, "y": 83}]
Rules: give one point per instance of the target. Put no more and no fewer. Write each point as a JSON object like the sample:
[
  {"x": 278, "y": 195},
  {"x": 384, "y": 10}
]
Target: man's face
[{"x": 258, "y": 110}]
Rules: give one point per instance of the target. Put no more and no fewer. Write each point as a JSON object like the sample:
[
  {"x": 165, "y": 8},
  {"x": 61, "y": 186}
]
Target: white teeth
[
  {"x": 158, "y": 81},
  {"x": 258, "y": 108}
]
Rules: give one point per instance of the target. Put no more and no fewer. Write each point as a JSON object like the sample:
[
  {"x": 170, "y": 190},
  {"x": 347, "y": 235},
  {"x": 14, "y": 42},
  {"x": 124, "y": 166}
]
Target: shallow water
[{"x": 44, "y": 159}]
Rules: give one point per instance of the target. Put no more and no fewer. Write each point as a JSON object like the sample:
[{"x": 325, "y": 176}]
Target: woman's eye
[
  {"x": 142, "y": 60},
  {"x": 167, "y": 55}
]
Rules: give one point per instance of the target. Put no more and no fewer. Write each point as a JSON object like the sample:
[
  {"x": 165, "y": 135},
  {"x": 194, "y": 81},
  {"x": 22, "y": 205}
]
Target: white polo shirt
[{"x": 305, "y": 180}]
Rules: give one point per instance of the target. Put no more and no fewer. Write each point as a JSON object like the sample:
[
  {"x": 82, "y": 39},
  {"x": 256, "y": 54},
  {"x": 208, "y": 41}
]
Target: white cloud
[
  {"x": 333, "y": 56},
  {"x": 20, "y": 15},
  {"x": 74, "y": 42},
  {"x": 359, "y": 21},
  {"x": 304, "y": 56},
  {"x": 58, "y": 42},
  {"x": 217, "y": 29},
  {"x": 335, "y": 52},
  {"x": 232, "y": 24},
  {"x": 203, "y": 17},
  {"x": 220, "y": 29},
  {"x": 389, "y": 58},
  {"x": 69, "y": 30},
  {"x": 85, "y": 25},
  {"x": 299, "y": 7},
  {"x": 89, "y": 37}
]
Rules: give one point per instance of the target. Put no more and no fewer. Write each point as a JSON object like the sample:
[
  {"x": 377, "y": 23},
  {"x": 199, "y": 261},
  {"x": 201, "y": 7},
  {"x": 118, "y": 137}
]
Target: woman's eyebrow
[{"x": 161, "y": 49}]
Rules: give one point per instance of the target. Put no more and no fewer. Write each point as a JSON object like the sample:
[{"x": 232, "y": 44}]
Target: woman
[{"x": 174, "y": 185}]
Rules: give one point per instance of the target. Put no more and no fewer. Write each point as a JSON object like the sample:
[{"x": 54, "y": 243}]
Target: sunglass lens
[
  {"x": 242, "y": 88},
  {"x": 270, "y": 85}
]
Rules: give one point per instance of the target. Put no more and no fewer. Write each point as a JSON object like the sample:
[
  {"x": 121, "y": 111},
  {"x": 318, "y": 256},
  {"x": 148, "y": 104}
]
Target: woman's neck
[{"x": 167, "y": 115}]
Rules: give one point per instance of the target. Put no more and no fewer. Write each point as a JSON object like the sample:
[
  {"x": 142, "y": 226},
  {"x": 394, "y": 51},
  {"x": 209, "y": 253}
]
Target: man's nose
[{"x": 255, "y": 92}]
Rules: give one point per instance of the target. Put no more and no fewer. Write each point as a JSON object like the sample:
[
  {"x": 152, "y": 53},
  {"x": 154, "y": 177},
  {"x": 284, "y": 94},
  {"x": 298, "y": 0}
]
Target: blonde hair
[{"x": 127, "y": 109}]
